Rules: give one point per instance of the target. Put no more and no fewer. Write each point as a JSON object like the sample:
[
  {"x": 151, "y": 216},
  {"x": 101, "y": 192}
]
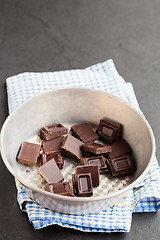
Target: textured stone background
[{"x": 68, "y": 34}]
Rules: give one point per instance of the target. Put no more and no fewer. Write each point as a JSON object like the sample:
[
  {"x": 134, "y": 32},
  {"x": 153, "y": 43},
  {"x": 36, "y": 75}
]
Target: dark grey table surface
[{"x": 69, "y": 34}]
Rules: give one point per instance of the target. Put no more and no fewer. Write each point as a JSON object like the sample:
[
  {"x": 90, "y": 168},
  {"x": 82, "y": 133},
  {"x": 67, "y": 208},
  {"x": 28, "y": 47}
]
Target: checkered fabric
[{"x": 145, "y": 197}]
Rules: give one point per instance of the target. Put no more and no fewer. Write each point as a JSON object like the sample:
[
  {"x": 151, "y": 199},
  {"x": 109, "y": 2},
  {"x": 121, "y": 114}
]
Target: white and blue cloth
[{"x": 145, "y": 197}]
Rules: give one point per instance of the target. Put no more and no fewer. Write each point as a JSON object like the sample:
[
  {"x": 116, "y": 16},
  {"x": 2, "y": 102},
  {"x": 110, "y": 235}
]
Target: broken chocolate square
[
  {"x": 119, "y": 148},
  {"x": 53, "y": 131},
  {"x": 62, "y": 188},
  {"x": 53, "y": 145},
  {"x": 96, "y": 160},
  {"x": 84, "y": 132},
  {"x": 121, "y": 166},
  {"x": 50, "y": 172},
  {"x": 82, "y": 184},
  {"x": 95, "y": 148},
  {"x": 93, "y": 169},
  {"x": 28, "y": 153},
  {"x": 46, "y": 157},
  {"x": 109, "y": 131},
  {"x": 73, "y": 146}
]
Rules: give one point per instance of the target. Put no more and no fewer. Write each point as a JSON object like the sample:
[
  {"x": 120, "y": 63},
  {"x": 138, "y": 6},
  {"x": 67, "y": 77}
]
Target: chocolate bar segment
[
  {"x": 93, "y": 169},
  {"x": 50, "y": 172},
  {"x": 28, "y": 153},
  {"x": 121, "y": 166},
  {"x": 73, "y": 146},
  {"x": 53, "y": 131},
  {"x": 109, "y": 131},
  {"x": 53, "y": 145},
  {"x": 62, "y": 188},
  {"x": 84, "y": 132},
  {"x": 95, "y": 148},
  {"x": 96, "y": 160},
  {"x": 82, "y": 184},
  {"x": 46, "y": 157},
  {"x": 119, "y": 148}
]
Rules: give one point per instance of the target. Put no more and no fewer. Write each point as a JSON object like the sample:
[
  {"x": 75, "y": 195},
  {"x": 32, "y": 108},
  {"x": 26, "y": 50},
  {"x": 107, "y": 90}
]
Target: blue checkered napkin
[{"x": 144, "y": 198}]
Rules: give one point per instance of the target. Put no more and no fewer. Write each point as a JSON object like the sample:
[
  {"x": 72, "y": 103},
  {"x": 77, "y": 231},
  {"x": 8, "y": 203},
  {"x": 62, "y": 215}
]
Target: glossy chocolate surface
[
  {"x": 52, "y": 145},
  {"x": 96, "y": 148},
  {"x": 109, "y": 131},
  {"x": 28, "y": 153},
  {"x": 84, "y": 132},
  {"x": 119, "y": 148},
  {"x": 82, "y": 184},
  {"x": 50, "y": 172},
  {"x": 121, "y": 166},
  {"x": 53, "y": 131},
  {"x": 93, "y": 169},
  {"x": 96, "y": 160},
  {"x": 46, "y": 157},
  {"x": 62, "y": 188},
  {"x": 73, "y": 146}
]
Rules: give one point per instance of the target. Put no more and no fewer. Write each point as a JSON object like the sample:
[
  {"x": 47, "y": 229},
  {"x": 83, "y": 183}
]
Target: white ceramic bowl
[{"x": 70, "y": 106}]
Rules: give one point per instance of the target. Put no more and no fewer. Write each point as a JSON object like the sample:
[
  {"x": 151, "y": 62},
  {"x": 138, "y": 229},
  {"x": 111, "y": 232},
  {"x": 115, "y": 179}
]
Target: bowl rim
[{"x": 78, "y": 199}]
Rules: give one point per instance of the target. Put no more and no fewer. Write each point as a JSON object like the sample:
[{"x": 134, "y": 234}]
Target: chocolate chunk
[
  {"x": 82, "y": 184},
  {"x": 50, "y": 172},
  {"x": 57, "y": 157},
  {"x": 109, "y": 131},
  {"x": 62, "y": 188},
  {"x": 121, "y": 166},
  {"x": 84, "y": 132},
  {"x": 93, "y": 169},
  {"x": 95, "y": 148},
  {"x": 53, "y": 131},
  {"x": 96, "y": 160},
  {"x": 53, "y": 145},
  {"x": 73, "y": 146},
  {"x": 119, "y": 148},
  {"x": 29, "y": 153}
]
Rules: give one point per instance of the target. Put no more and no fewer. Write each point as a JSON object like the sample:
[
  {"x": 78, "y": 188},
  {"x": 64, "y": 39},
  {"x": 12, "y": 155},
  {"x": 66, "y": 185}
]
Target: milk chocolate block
[
  {"x": 121, "y": 166},
  {"x": 109, "y": 131},
  {"x": 53, "y": 131},
  {"x": 119, "y": 148},
  {"x": 96, "y": 160},
  {"x": 84, "y": 132},
  {"x": 50, "y": 172},
  {"x": 82, "y": 184},
  {"x": 73, "y": 146},
  {"x": 28, "y": 153},
  {"x": 93, "y": 169},
  {"x": 46, "y": 157},
  {"x": 53, "y": 145},
  {"x": 95, "y": 148},
  {"x": 62, "y": 188}
]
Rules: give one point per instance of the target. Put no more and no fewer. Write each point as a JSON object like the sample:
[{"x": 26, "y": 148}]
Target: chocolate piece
[
  {"x": 62, "y": 188},
  {"x": 57, "y": 157},
  {"x": 53, "y": 145},
  {"x": 95, "y": 148},
  {"x": 28, "y": 153},
  {"x": 84, "y": 132},
  {"x": 109, "y": 131},
  {"x": 73, "y": 146},
  {"x": 53, "y": 131},
  {"x": 121, "y": 166},
  {"x": 42, "y": 159},
  {"x": 119, "y": 148},
  {"x": 50, "y": 172},
  {"x": 96, "y": 160},
  {"x": 82, "y": 184},
  {"x": 93, "y": 169}
]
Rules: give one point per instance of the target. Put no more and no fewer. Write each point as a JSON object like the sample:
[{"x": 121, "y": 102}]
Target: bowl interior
[{"x": 70, "y": 106}]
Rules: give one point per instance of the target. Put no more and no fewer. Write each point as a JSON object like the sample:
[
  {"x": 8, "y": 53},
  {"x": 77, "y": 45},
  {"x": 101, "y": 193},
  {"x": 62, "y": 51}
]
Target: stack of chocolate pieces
[{"x": 112, "y": 155}]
